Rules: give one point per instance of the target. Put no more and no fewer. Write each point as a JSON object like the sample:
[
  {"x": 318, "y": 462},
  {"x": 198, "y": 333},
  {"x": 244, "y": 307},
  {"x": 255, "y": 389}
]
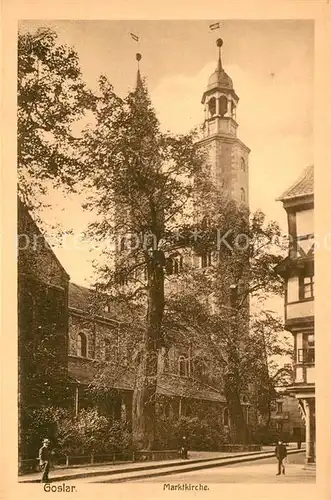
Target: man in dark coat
[
  {"x": 281, "y": 453},
  {"x": 184, "y": 448},
  {"x": 44, "y": 456}
]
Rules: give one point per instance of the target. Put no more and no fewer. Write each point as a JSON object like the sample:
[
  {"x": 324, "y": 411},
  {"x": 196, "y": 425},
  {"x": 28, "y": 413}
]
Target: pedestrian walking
[
  {"x": 44, "y": 460},
  {"x": 281, "y": 454},
  {"x": 184, "y": 448}
]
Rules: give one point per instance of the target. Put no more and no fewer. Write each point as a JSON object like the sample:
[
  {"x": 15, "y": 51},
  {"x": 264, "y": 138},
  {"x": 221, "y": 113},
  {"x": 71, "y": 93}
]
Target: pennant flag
[
  {"x": 214, "y": 26},
  {"x": 135, "y": 37}
]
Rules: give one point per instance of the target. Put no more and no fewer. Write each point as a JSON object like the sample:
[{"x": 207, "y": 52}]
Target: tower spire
[
  {"x": 139, "y": 80},
  {"x": 219, "y": 43}
]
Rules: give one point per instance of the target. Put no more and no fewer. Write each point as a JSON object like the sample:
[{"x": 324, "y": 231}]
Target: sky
[{"x": 272, "y": 67}]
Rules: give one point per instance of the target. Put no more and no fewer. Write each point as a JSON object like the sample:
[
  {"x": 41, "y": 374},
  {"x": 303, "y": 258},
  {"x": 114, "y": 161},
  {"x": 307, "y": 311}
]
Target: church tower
[{"x": 228, "y": 155}]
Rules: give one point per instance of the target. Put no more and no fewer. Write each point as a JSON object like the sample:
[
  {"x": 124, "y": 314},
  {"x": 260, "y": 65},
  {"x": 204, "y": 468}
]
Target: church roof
[
  {"x": 168, "y": 384},
  {"x": 87, "y": 301},
  {"x": 302, "y": 187},
  {"x": 219, "y": 79}
]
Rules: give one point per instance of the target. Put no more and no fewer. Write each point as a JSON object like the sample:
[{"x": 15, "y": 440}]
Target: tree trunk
[
  {"x": 239, "y": 429},
  {"x": 143, "y": 405}
]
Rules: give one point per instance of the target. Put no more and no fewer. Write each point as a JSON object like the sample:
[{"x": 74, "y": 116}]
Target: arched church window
[
  {"x": 212, "y": 106},
  {"x": 242, "y": 164},
  {"x": 242, "y": 195},
  {"x": 226, "y": 418},
  {"x": 81, "y": 345},
  {"x": 223, "y": 105},
  {"x": 183, "y": 366}
]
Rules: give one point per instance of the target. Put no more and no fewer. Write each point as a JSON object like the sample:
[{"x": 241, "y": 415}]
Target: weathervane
[
  {"x": 136, "y": 39},
  {"x": 138, "y": 57}
]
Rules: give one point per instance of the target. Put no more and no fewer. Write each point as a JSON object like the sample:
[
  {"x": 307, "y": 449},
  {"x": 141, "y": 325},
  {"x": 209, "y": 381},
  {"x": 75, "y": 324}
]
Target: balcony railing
[{"x": 306, "y": 356}]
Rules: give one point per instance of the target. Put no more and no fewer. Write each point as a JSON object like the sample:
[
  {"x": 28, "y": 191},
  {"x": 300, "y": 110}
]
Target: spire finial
[
  {"x": 139, "y": 82},
  {"x": 219, "y": 43}
]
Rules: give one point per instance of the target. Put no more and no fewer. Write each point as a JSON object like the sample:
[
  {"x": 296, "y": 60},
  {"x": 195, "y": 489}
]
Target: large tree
[
  {"x": 141, "y": 184},
  {"x": 209, "y": 307},
  {"x": 51, "y": 98}
]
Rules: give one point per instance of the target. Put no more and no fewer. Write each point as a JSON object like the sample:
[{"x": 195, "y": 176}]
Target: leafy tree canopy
[{"x": 52, "y": 97}]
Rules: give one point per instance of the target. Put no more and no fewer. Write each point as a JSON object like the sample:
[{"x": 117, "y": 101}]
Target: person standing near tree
[
  {"x": 44, "y": 459},
  {"x": 281, "y": 454}
]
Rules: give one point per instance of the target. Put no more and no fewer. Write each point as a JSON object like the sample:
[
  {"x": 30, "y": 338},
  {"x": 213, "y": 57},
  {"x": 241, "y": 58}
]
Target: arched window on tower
[
  {"x": 233, "y": 110},
  {"x": 242, "y": 164},
  {"x": 242, "y": 195},
  {"x": 223, "y": 105},
  {"x": 81, "y": 345},
  {"x": 212, "y": 106}
]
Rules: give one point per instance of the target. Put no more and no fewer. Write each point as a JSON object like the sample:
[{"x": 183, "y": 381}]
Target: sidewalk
[
  {"x": 254, "y": 471},
  {"x": 197, "y": 460}
]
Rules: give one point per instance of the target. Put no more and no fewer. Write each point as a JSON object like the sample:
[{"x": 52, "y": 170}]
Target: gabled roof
[
  {"x": 302, "y": 187},
  {"x": 26, "y": 225}
]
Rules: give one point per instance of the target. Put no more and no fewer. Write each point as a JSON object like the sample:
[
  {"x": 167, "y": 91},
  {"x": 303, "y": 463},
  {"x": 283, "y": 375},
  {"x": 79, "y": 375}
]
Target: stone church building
[{"x": 90, "y": 339}]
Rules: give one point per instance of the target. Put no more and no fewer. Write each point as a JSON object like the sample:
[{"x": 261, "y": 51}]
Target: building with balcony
[{"x": 297, "y": 269}]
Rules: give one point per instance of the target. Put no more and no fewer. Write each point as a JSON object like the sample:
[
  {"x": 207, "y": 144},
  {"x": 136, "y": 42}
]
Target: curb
[
  {"x": 221, "y": 462},
  {"x": 197, "y": 464}
]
